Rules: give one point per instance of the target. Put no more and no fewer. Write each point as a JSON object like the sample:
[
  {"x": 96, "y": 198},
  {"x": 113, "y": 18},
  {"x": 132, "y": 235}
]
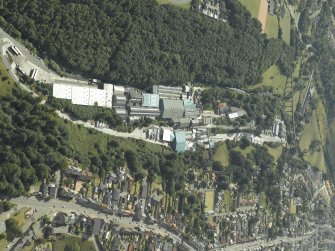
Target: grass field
[
  {"x": 310, "y": 132},
  {"x": 252, "y": 6},
  {"x": 209, "y": 200},
  {"x": 157, "y": 184},
  {"x": 272, "y": 26},
  {"x": 61, "y": 242},
  {"x": 19, "y": 216},
  {"x": 184, "y": 4},
  {"x": 293, "y": 208},
  {"x": 221, "y": 154},
  {"x": 275, "y": 152},
  {"x": 5, "y": 85},
  {"x": 3, "y": 244},
  {"x": 227, "y": 200},
  {"x": 285, "y": 25},
  {"x": 273, "y": 78},
  {"x": 321, "y": 117}
]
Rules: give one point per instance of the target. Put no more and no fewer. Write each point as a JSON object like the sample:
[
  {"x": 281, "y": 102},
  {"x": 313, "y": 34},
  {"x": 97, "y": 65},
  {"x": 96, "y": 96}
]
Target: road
[{"x": 53, "y": 206}]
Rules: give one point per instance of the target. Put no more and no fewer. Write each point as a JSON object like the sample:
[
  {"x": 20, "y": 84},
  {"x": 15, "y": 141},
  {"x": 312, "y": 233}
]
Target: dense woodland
[{"x": 139, "y": 42}]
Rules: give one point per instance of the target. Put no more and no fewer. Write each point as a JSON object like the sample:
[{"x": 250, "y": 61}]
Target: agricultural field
[
  {"x": 252, "y": 6},
  {"x": 285, "y": 25},
  {"x": 221, "y": 154},
  {"x": 273, "y": 78},
  {"x": 227, "y": 200},
  {"x": 310, "y": 133},
  {"x": 272, "y": 26},
  {"x": 293, "y": 208}
]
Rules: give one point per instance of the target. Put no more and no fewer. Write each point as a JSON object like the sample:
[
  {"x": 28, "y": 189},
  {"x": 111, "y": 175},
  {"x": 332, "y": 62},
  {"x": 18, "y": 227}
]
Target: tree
[
  {"x": 13, "y": 229},
  {"x": 72, "y": 246}
]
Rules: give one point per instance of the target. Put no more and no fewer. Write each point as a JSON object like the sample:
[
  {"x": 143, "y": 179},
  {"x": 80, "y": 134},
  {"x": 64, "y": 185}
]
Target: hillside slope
[{"x": 141, "y": 43}]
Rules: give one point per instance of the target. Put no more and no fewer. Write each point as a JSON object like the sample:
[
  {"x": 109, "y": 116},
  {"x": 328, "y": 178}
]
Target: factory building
[
  {"x": 150, "y": 100},
  {"x": 134, "y": 97},
  {"x": 119, "y": 90},
  {"x": 179, "y": 143},
  {"x": 119, "y": 100},
  {"x": 167, "y": 92},
  {"x": 83, "y": 95},
  {"x": 171, "y": 109},
  {"x": 144, "y": 112},
  {"x": 191, "y": 110},
  {"x": 108, "y": 95}
]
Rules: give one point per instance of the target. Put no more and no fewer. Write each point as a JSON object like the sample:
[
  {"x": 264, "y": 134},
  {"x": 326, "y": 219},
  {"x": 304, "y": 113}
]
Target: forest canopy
[{"x": 140, "y": 43}]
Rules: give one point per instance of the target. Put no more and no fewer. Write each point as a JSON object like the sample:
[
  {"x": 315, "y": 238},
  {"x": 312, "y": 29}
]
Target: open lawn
[
  {"x": 252, "y": 6},
  {"x": 61, "y": 242},
  {"x": 19, "y": 216},
  {"x": 209, "y": 200},
  {"x": 6, "y": 82},
  {"x": 273, "y": 78},
  {"x": 285, "y": 25},
  {"x": 321, "y": 117},
  {"x": 184, "y": 4},
  {"x": 310, "y": 132},
  {"x": 227, "y": 200},
  {"x": 221, "y": 154},
  {"x": 3, "y": 244},
  {"x": 293, "y": 208},
  {"x": 275, "y": 152},
  {"x": 272, "y": 26}
]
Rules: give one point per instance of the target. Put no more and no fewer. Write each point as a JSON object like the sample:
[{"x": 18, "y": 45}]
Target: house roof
[{"x": 97, "y": 224}]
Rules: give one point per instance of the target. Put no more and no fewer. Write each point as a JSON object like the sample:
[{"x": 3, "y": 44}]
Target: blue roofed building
[
  {"x": 150, "y": 100},
  {"x": 179, "y": 142}
]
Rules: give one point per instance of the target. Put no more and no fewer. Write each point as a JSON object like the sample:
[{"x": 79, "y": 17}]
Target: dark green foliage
[
  {"x": 12, "y": 229},
  {"x": 141, "y": 43}
]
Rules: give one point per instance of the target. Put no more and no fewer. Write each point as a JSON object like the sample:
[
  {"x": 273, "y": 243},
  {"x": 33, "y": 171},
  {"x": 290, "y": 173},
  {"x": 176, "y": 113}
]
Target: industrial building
[
  {"x": 151, "y": 112},
  {"x": 150, "y": 100},
  {"x": 191, "y": 110},
  {"x": 119, "y": 100},
  {"x": 83, "y": 95},
  {"x": 119, "y": 90},
  {"x": 179, "y": 143},
  {"x": 168, "y": 92},
  {"x": 171, "y": 109},
  {"x": 134, "y": 97}
]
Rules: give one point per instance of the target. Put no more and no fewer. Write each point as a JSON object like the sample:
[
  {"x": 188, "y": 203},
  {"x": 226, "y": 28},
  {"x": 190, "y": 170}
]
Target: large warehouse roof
[
  {"x": 172, "y": 109},
  {"x": 150, "y": 100},
  {"x": 62, "y": 91},
  {"x": 84, "y": 95}
]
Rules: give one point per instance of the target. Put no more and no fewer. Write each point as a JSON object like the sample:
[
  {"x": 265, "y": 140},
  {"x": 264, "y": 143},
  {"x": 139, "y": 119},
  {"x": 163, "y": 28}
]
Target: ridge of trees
[{"x": 141, "y": 43}]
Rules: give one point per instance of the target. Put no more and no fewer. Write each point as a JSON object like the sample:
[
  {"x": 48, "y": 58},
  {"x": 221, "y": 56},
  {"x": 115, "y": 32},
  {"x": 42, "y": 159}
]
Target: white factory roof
[
  {"x": 85, "y": 95},
  {"x": 168, "y": 135},
  {"x": 62, "y": 91},
  {"x": 80, "y": 95}
]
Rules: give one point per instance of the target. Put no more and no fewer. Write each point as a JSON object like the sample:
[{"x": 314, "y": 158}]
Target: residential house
[{"x": 97, "y": 226}]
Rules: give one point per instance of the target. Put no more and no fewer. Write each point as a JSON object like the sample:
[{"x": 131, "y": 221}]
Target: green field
[
  {"x": 3, "y": 244},
  {"x": 6, "y": 82},
  {"x": 221, "y": 154},
  {"x": 321, "y": 117},
  {"x": 178, "y": 3},
  {"x": 273, "y": 78},
  {"x": 62, "y": 241},
  {"x": 252, "y": 6},
  {"x": 310, "y": 132},
  {"x": 227, "y": 200},
  {"x": 293, "y": 208},
  {"x": 275, "y": 152},
  {"x": 285, "y": 25},
  {"x": 209, "y": 200},
  {"x": 272, "y": 26}
]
